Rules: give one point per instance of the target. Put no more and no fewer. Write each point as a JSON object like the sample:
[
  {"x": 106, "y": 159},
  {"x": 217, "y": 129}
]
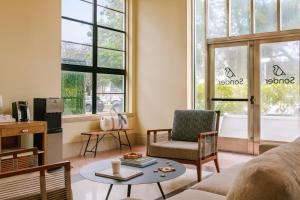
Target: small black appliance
[{"x": 20, "y": 111}]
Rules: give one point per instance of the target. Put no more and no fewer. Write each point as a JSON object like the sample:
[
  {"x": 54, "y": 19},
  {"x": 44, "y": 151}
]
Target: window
[
  {"x": 290, "y": 14},
  {"x": 240, "y": 17},
  {"x": 93, "y": 56},
  {"x": 265, "y": 12},
  {"x": 217, "y": 18},
  {"x": 199, "y": 52}
]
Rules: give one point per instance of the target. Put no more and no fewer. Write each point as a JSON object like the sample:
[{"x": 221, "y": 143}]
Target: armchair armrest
[
  {"x": 18, "y": 159},
  {"x": 207, "y": 149},
  {"x": 155, "y": 131},
  {"x": 14, "y": 153},
  {"x": 205, "y": 134},
  {"x": 159, "y": 130}
]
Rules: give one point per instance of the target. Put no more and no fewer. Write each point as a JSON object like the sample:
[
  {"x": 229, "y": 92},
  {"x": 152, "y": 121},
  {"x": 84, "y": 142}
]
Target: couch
[{"x": 273, "y": 175}]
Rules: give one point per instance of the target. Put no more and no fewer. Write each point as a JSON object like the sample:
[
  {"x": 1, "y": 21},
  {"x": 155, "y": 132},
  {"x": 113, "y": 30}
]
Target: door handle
[
  {"x": 252, "y": 100},
  {"x": 229, "y": 99}
]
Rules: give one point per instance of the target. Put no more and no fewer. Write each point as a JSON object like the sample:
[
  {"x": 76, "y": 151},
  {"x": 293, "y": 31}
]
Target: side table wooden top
[{"x": 21, "y": 124}]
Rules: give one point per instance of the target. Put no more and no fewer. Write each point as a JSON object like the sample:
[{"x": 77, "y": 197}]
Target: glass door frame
[
  {"x": 240, "y": 145},
  {"x": 254, "y": 93},
  {"x": 257, "y": 86}
]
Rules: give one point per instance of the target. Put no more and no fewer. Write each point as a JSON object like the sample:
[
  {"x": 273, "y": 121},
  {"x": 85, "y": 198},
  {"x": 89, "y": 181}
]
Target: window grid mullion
[
  {"x": 92, "y": 24},
  {"x": 108, "y": 8},
  {"x": 91, "y": 69},
  {"x": 111, "y": 49},
  {"x": 77, "y": 43},
  {"x": 105, "y": 7},
  {"x": 125, "y": 58},
  {"x": 77, "y": 20},
  {"x": 95, "y": 59},
  {"x": 111, "y": 29}
]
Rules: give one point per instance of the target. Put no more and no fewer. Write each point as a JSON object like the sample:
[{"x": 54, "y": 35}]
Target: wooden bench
[{"x": 101, "y": 134}]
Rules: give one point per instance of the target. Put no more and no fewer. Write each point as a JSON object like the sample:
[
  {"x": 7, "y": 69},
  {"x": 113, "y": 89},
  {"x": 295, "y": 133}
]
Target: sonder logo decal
[
  {"x": 280, "y": 77},
  {"x": 277, "y": 71},
  {"x": 229, "y": 73},
  {"x": 231, "y": 78}
]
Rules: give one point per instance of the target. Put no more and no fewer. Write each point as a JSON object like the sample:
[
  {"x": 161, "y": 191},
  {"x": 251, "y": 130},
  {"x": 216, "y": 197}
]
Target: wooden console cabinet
[{"x": 26, "y": 128}]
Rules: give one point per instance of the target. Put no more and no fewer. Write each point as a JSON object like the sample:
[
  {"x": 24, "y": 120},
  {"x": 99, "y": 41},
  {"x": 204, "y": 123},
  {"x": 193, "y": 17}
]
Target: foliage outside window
[
  {"x": 200, "y": 53},
  {"x": 93, "y": 55}
]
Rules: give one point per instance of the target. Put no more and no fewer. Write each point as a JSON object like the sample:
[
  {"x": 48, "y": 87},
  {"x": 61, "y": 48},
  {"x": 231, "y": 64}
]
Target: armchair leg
[
  {"x": 199, "y": 171},
  {"x": 217, "y": 164}
]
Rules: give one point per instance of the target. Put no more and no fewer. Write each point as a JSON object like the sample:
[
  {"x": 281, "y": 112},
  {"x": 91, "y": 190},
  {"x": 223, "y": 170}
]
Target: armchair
[
  {"x": 19, "y": 159},
  {"x": 192, "y": 140},
  {"x": 37, "y": 184}
]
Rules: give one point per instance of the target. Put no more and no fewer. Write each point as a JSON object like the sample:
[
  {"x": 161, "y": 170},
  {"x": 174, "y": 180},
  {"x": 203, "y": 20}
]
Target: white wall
[
  {"x": 29, "y": 50},
  {"x": 161, "y": 59}
]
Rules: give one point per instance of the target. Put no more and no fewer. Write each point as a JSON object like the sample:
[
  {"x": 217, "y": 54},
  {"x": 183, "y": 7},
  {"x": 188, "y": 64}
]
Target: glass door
[
  {"x": 230, "y": 92},
  {"x": 278, "y": 88}
]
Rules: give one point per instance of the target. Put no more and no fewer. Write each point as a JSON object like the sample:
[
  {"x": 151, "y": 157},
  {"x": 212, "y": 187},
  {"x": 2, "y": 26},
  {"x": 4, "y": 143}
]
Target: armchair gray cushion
[
  {"x": 178, "y": 150},
  {"x": 188, "y": 123}
]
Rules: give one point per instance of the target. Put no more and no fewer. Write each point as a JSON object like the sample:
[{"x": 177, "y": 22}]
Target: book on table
[
  {"x": 138, "y": 162},
  {"x": 125, "y": 174}
]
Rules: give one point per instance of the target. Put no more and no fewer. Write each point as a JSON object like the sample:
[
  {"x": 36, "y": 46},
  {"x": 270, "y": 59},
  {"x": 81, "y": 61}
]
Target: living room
[{"x": 202, "y": 89}]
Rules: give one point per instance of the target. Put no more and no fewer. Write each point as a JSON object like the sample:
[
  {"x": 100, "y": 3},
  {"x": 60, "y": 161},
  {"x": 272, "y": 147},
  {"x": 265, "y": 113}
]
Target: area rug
[{"x": 88, "y": 190}]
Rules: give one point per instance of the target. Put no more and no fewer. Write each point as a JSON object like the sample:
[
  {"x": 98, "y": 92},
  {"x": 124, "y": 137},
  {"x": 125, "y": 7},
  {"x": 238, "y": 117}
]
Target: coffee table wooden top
[{"x": 149, "y": 176}]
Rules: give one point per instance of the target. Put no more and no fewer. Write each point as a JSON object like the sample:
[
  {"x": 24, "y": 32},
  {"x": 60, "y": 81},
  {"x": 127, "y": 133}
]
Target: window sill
[{"x": 89, "y": 117}]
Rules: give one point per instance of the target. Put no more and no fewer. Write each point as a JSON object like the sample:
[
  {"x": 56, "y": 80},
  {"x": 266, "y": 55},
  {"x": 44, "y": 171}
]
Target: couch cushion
[
  {"x": 274, "y": 175},
  {"x": 188, "y": 123},
  {"x": 196, "y": 195},
  {"x": 174, "y": 149},
  {"x": 220, "y": 183}
]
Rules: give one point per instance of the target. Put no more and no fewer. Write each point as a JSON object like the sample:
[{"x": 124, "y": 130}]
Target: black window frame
[{"x": 96, "y": 70}]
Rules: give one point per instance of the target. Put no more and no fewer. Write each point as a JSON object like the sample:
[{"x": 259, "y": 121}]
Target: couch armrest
[{"x": 267, "y": 146}]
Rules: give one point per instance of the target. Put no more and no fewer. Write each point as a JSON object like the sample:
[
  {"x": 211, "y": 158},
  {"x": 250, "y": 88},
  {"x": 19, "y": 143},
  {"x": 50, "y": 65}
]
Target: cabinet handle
[{"x": 24, "y": 131}]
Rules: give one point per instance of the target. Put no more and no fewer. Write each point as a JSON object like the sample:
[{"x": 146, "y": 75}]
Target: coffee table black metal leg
[
  {"x": 128, "y": 190},
  {"x": 161, "y": 190},
  {"x": 108, "y": 193}
]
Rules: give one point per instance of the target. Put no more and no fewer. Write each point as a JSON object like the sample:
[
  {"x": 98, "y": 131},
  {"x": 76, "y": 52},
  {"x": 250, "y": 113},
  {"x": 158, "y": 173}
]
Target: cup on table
[{"x": 116, "y": 166}]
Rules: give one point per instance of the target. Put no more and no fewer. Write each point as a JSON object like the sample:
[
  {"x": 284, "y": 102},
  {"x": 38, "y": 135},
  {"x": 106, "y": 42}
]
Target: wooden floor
[{"x": 226, "y": 159}]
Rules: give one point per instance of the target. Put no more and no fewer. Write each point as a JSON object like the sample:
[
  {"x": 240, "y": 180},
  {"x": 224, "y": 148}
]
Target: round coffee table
[{"x": 149, "y": 176}]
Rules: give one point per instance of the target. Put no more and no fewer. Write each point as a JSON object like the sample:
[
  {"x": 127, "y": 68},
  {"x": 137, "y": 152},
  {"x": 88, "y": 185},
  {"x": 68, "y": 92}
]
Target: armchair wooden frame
[
  {"x": 27, "y": 188},
  {"x": 19, "y": 159},
  {"x": 201, "y": 137}
]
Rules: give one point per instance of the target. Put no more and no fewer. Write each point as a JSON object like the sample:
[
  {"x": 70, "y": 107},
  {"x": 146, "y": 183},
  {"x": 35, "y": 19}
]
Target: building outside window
[{"x": 93, "y": 56}]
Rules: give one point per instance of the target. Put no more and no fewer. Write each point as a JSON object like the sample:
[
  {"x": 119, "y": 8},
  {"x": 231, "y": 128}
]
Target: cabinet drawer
[{"x": 22, "y": 130}]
